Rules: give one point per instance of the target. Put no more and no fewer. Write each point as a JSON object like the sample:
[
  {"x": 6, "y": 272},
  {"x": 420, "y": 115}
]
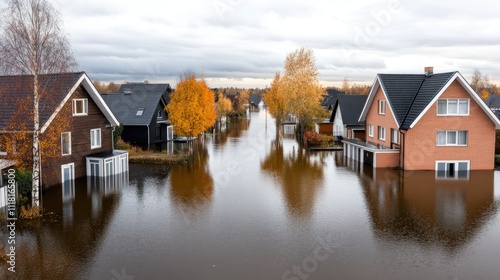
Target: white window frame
[
  {"x": 85, "y": 107},
  {"x": 394, "y": 136},
  {"x": 159, "y": 115},
  {"x": 370, "y": 130},
  {"x": 170, "y": 133},
  {"x": 62, "y": 143},
  {"x": 71, "y": 182},
  {"x": 381, "y": 133},
  {"x": 455, "y": 173},
  {"x": 382, "y": 107},
  {"x": 448, "y": 101},
  {"x": 94, "y": 137},
  {"x": 457, "y": 132},
  {"x": 140, "y": 112}
]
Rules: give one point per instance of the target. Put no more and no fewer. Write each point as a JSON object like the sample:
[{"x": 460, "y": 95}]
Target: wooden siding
[{"x": 80, "y": 139}]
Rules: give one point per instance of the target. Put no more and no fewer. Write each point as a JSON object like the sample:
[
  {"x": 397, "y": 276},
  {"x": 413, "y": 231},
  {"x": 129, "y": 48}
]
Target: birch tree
[{"x": 32, "y": 42}]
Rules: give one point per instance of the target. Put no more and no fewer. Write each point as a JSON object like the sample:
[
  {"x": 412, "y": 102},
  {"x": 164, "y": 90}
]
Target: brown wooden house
[{"x": 68, "y": 102}]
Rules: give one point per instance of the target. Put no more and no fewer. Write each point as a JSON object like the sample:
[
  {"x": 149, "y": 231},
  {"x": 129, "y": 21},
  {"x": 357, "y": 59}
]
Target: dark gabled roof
[
  {"x": 131, "y": 97},
  {"x": 17, "y": 91},
  {"x": 409, "y": 94},
  {"x": 16, "y": 96},
  {"x": 331, "y": 97},
  {"x": 493, "y": 101},
  {"x": 350, "y": 108},
  {"x": 255, "y": 98}
]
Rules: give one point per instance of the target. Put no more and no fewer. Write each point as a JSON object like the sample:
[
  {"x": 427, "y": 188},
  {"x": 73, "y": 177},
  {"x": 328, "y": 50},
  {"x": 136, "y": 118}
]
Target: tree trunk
[{"x": 36, "y": 146}]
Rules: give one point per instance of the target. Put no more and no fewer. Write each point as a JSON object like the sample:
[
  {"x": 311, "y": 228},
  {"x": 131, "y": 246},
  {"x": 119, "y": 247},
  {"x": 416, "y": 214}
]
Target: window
[
  {"x": 2, "y": 152},
  {"x": 381, "y": 107},
  {"x": 159, "y": 114},
  {"x": 452, "y": 169},
  {"x": 140, "y": 112},
  {"x": 158, "y": 133},
  {"x": 95, "y": 138},
  {"x": 394, "y": 136},
  {"x": 170, "y": 132},
  {"x": 68, "y": 183},
  {"x": 452, "y": 138},
  {"x": 381, "y": 133},
  {"x": 370, "y": 130},
  {"x": 66, "y": 143},
  {"x": 80, "y": 107},
  {"x": 453, "y": 107}
]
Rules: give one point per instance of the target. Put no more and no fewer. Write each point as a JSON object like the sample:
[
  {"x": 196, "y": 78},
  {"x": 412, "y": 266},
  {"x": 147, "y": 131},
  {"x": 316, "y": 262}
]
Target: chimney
[{"x": 428, "y": 71}]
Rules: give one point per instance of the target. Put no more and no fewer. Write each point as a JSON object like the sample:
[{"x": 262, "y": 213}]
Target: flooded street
[{"x": 251, "y": 207}]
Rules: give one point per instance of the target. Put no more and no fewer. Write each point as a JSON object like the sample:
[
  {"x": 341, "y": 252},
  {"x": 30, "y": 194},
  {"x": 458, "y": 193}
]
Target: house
[
  {"x": 70, "y": 101},
  {"x": 256, "y": 100},
  {"x": 426, "y": 122},
  {"x": 140, "y": 108},
  {"x": 345, "y": 117},
  {"x": 494, "y": 104}
]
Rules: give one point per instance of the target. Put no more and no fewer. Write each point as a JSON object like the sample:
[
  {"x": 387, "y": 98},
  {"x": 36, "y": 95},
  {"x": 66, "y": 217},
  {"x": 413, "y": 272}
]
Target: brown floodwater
[{"x": 248, "y": 206}]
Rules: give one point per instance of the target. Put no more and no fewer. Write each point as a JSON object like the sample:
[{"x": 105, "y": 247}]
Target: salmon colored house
[{"x": 426, "y": 122}]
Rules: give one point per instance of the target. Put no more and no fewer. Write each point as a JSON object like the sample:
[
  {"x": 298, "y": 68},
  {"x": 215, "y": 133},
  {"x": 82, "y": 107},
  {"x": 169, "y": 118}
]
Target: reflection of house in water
[
  {"x": 421, "y": 206},
  {"x": 47, "y": 248},
  {"x": 299, "y": 174}
]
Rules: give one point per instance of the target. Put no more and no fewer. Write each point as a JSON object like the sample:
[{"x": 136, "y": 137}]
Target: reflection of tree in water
[
  {"x": 299, "y": 173},
  {"x": 414, "y": 205},
  {"x": 192, "y": 185},
  {"x": 234, "y": 128}
]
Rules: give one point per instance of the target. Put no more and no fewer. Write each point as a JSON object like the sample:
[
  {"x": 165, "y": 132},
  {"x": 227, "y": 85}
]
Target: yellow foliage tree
[
  {"x": 223, "y": 106},
  {"x": 275, "y": 100},
  {"x": 301, "y": 84},
  {"x": 485, "y": 94},
  {"x": 191, "y": 109}
]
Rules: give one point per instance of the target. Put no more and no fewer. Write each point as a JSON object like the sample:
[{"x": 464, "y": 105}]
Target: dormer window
[
  {"x": 140, "y": 112},
  {"x": 159, "y": 114},
  {"x": 80, "y": 107}
]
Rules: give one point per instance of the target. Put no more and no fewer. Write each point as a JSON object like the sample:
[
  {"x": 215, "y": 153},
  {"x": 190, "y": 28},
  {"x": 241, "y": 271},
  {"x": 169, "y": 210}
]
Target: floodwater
[{"x": 250, "y": 207}]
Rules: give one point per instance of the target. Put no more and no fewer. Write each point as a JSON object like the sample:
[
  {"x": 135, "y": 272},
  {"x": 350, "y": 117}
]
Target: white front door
[{"x": 68, "y": 181}]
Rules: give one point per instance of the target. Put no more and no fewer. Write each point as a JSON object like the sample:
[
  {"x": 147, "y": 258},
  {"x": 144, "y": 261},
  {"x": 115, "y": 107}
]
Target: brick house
[
  {"x": 426, "y": 122},
  {"x": 86, "y": 148}
]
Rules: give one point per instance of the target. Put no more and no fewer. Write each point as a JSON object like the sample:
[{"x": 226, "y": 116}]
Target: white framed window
[
  {"x": 453, "y": 107},
  {"x": 159, "y": 114},
  {"x": 170, "y": 132},
  {"x": 381, "y": 133},
  {"x": 140, "y": 112},
  {"x": 95, "y": 138},
  {"x": 68, "y": 182},
  {"x": 381, "y": 107},
  {"x": 394, "y": 136},
  {"x": 66, "y": 143},
  {"x": 456, "y": 169},
  {"x": 451, "y": 138},
  {"x": 80, "y": 107},
  {"x": 370, "y": 130}
]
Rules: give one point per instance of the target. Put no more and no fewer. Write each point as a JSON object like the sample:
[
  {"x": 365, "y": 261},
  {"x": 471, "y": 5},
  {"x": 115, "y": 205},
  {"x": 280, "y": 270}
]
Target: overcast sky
[{"x": 243, "y": 43}]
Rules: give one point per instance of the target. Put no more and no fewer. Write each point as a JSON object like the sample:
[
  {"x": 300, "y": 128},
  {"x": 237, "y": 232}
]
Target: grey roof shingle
[
  {"x": 131, "y": 97},
  {"x": 16, "y": 92},
  {"x": 409, "y": 94},
  {"x": 331, "y": 97},
  {"x": 351, "y": 107}
]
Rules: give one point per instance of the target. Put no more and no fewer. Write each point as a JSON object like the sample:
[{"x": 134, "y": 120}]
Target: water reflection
[
  {"x": 191, "y": 185},
  {"x": 63, "y": 244},
  {"x": 419, "y": 206},
  {"x": 299, "y": 174},
  {"x": 234, "y": 128}
]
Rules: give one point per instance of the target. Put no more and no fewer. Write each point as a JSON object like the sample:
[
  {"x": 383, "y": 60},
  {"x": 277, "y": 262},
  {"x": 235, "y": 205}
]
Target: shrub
[
  {"x": 24, "y": 181},
  {"x": 29, "y": 213}
]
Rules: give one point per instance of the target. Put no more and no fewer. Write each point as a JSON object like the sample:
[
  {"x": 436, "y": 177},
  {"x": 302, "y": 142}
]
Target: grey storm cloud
[{"x": 243, "y": 43}]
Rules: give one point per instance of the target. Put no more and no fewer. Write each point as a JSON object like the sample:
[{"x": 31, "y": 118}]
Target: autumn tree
[
  {"x": 479, "y": 82},
  {"x": 223, "y": 106},
  {"x": 301, "y": 85},
  {"x": 275, "y": 100},
  {"x": 33, "y": 43},
  {"x": 191, "y": 108}
]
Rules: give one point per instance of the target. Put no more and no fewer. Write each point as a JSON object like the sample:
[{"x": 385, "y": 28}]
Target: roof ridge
[{"x": 412, "y": 102}]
